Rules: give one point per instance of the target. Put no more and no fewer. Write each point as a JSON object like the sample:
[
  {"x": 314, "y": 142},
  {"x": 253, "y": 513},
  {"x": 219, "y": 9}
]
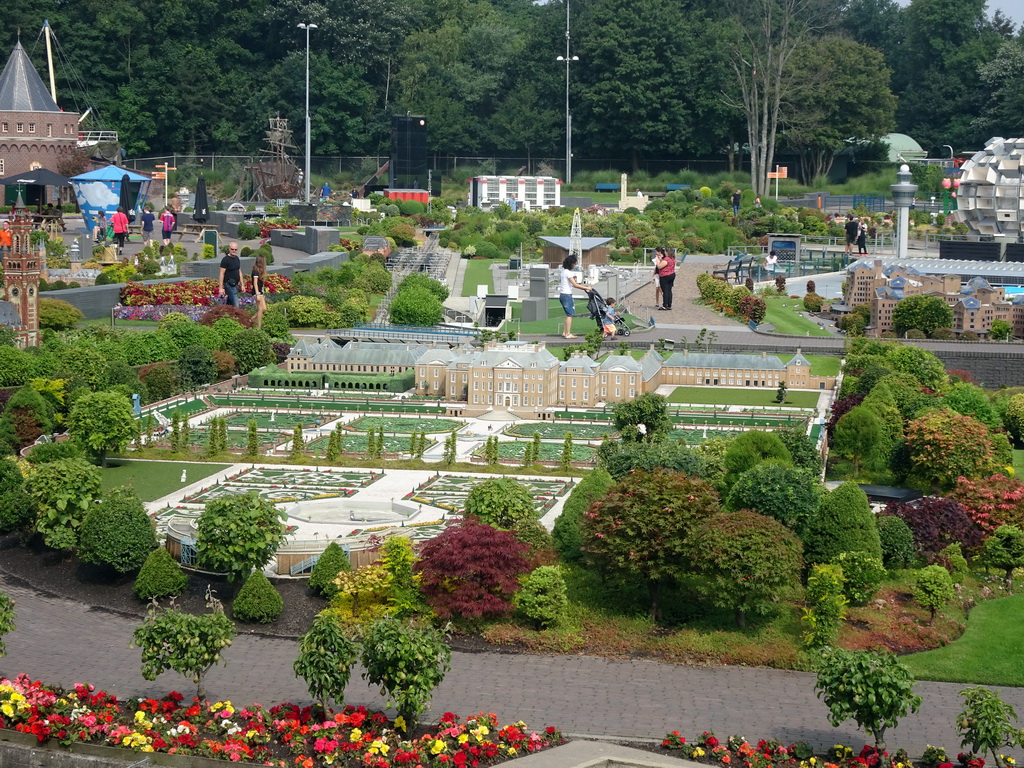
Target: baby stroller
[{"x": 596, "y": 306}]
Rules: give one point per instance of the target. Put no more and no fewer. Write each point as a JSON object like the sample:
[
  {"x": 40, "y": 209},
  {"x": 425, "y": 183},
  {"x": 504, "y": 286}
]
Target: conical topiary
[
  {"x": 160, "y": 576},
  {"x": 257, "y": 600},
  {"x": 332, "y": 561}
]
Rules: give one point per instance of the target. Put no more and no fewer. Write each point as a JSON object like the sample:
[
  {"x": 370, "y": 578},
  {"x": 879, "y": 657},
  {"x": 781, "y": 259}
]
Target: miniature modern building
[
  {"x": 991, "y": 198},
  {"x": 528, "y": 193}
]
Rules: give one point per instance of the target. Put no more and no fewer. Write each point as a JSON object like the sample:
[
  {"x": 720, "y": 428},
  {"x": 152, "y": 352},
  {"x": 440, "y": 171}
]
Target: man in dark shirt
[
  {"x": 852, "y": 228},
  {"x": 230, "y": 275},
  {"x": 737, "y": 199}
]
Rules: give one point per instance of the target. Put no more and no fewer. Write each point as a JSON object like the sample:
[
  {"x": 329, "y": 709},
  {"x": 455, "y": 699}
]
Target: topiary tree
[
  {"x": 331, "y": 562},
  {"x": 238, "y": 534},
  {"x": 936, "y": 523},
  {"x": 196, "y": 367},
  {"x": 842, "y": 523},
  {"x": 190, "y": 645},
  {"x": 566, "y": 532},
  {"x": 543, "y": 597},
  {"x": 933, "y": 589},
  {"x": 408, "y": 663},
  {"x": 257, "y": 600},
  {"x": 26, "y": 416},
  {"x": 326, "y": 656},
  {"x": 749, "y": 562},
  {"x": 897, "y": 542},
  {"x": 750, "y": 449},
  {"x": 944, "y": 445},
  {"x": 925, "y": 313},
  {"x": 1004, "y": 550},
  {"x": 103, "y": 421},
  {"x": 18, "y": 511},
  {"x": 501, "y": 502},
  {"x": 160, "y": 576},
  {"x": 398, "y": 559},
  {"x": 825, "y": 605},
  {"x": 862, "y": 576},
  {"x": 873, "y": 689},
  {"x": 788, "y": 494},
  {"x": 64, "y": 491},
  {"x": 58, "y": 315},
  {"x": 252, "y": 349},
  {"x": 643, "y": 525},
  {"x": 117, "y": 532},
  {"x": 471, "y": 571},
  {"x": 858, "y": 437}
]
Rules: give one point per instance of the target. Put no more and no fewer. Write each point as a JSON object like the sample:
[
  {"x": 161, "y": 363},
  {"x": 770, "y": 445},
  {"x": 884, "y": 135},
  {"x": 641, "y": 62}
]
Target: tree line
[{"x": 736, "y": 80}]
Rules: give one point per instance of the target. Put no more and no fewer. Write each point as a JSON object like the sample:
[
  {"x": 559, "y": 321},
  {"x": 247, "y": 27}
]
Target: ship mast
[{"x": 47, "y": 32}]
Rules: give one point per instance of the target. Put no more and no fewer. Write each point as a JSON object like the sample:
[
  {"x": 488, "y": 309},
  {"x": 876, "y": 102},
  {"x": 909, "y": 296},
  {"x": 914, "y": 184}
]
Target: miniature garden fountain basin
[{"x": 351, "y": 511}]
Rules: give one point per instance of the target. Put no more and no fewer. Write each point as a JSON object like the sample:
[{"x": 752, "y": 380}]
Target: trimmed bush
[
  {"x": 566, "y": 533},
  {"x": 812, "y": 302},
  {"x": 842, "y": 523},
  {"x": 117, "y": 532},
  {"x": 787, "y": 494},
  {"x": 953, "y": 560},
  {"x": 501, "y": 502},
  {"x": 543, "y": 598},
  {"x": 332, "y": 561},
  {"x": 862, "y": 573},
  {"x": 10, "y": 476},
  {"x": 44, "y": 453},
  {"x": 17, "y": 511},
  {"x": 933, "y": 589},
  {"x": 826, "y": 605},
  {"x": 160, "y": 576},
  {"x": 257, "y": 600},
  {"x": 897, "y": 542}
]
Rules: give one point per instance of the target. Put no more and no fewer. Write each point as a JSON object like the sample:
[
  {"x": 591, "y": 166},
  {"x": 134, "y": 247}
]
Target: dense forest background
[{"x": 656, "y": 78}]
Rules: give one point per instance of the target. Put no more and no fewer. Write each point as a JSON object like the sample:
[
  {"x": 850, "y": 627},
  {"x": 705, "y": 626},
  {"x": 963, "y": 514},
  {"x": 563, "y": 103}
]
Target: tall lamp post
[
  {"x": 307, "y": 27},
  {"x": 568, "y": 115}
]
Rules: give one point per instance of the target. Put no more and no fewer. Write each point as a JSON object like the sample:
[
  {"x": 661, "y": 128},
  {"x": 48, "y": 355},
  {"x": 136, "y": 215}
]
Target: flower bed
[
  {"x": 188, "y": 293},
  {"x": 282, "y": 736},
  {"x": 157, "y": 312}
]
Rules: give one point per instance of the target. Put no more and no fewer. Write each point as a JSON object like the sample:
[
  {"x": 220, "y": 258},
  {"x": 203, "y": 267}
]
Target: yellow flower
[
  {"x": 7, "y": 709},
  {"x": 378, "y": 747},
  {"x": 513, "y": 751},
  {"x": 463, "y": 738},
  {"x": 355, "y": 736},
  {"x": 437, "y": 747},
  {"x": 698, "y": 752},
  {"x": 400, "y": 724}
]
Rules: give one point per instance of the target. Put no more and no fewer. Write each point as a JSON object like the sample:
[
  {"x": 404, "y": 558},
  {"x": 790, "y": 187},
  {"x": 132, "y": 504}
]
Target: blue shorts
[{"x": 567, "y": 304}]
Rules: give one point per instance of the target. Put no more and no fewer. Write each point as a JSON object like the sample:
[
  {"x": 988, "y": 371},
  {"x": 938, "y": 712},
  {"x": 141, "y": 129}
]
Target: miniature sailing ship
[{"x": 276, "y": 175}]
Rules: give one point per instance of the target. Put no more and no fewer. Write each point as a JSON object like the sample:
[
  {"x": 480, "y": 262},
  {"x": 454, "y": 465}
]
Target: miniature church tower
[{"x": 21, "y": 276}]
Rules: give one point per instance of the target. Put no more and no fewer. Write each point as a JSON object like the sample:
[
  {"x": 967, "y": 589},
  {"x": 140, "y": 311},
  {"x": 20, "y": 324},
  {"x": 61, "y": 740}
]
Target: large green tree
[
  {"x": 925, "y": 313},
  {"x": 237, "y": 534},
  {"x": 103, "y": 422},
  {"x": 644, "y": 419}
]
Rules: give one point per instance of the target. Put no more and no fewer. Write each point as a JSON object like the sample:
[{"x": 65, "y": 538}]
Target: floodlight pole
[
  {"x": 307, "y": 27},
  {"x": 568, "y": 114}
]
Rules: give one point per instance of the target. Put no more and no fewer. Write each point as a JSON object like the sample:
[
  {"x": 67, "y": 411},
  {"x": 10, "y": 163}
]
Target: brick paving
[{"x": 63, "y": 642}]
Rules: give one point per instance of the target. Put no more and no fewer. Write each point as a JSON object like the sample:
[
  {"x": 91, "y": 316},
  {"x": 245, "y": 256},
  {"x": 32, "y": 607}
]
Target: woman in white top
[
  {"x": 771, "y": 261},
  {"x": 567, "y": 281}
]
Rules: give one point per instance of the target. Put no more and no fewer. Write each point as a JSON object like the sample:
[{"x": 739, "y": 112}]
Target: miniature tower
[
  {"x": 903, "y": 197},
  {"x": 576, "y": 238},
  {"x": 21, "y": 275}
]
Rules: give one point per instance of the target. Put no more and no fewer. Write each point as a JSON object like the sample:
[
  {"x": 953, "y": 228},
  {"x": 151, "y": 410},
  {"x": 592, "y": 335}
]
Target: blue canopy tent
[{"x": 100, "y": 190}]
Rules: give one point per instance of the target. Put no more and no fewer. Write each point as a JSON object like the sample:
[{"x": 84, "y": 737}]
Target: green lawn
[
  {"x": 581, "y": 324},
  {"x": 153, "y": 479},
  {"x": 782, "y": 314},
  {"x": 1018, "y": 462},
  {"x": 988, "y": 653},
  {"x": 821, "y": 365},
  {"x": 728, "y": 396},
  {"x": 478, "y": 272}
]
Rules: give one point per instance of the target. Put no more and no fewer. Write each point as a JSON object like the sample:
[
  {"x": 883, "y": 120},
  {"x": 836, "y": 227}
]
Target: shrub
[
  {"x": 813, "y": 302},
  {"x": 58, "y": 315},
  {"x": 750, "y": 449},
  {"x": 117, "y": 532},
  {"x": 1004, "y": 550},
  {"x": 825, "y": 605},
  {"x": 17, "y": 510},
  {"x": 953, "y": 560},
  {"x": 501, "y": 502},
  {"x": 566, "y": 532},
  {"x": 749, "y": 561},
  {"x": 326, "y": 656},
  {"x": 753, "y": 308},
  {"x": 252, "y": 349},
  {"x": 933, "y": 588},
  {"x": 787, "y": 494},
  {"x": 862, "y": 575},
  {"x": 471, "y": 571},
  {"x": 220, "y": 311},
  {"x": 332, "y": 561},
  {"x": 44, "y": 453},
  {"x": 257, "y": 600},
  {"x": 160, "y": 576},
  {"x": 10, "y": 476},
  {"x": 238, "y": 534},
  {"x": 842, "y": 523},
  {"x": 936, "y": 523},
  {"x": 543, "y": 597},
  {"x": 64, "y": 491},
  {"x": 897, "y": 542},
  {"x": 943, "y": 334}
]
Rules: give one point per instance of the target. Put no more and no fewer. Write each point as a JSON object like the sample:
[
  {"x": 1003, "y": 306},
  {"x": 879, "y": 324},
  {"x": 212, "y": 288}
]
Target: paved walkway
[{"x": 63, "y": 642}]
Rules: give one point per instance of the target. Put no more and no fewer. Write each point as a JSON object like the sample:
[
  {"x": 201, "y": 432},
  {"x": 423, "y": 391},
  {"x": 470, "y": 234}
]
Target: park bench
[
  {"x": 676, "y": 187},
  {"x": 604, "y": 186},
  {"x": 194, "y": 229},
  {"x": 735, "y": 270}
]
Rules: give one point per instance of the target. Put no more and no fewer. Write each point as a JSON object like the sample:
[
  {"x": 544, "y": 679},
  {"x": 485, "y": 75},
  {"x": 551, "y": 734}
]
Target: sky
[{"x": 1013, "y": 9}]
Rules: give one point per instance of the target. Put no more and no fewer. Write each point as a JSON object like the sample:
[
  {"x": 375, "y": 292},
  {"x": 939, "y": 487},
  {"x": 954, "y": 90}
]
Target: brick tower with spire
[{"x": 21, "y": 276}]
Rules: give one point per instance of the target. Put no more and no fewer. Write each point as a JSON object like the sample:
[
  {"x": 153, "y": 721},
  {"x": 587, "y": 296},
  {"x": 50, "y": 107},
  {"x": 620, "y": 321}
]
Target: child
[{"x": 608, "y": 316}]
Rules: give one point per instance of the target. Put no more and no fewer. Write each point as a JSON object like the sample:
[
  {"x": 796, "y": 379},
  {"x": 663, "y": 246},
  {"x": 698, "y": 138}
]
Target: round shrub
[
  {"x": 788, "y": 494},
  {"x": 933, "y": 589},
  {"x": 10, "y": 476},
  {"x": 487, "y": 250},
  {"x": 332, "y": 561},
  {"x": 943, "y": 334},
  {"x": 58, "y": 315},
  {"x": 812, "y": 302},
  {"x": 117, "y": 532},
  {"x": 543, "y": 598},
  {"x": 914, "y": 333},
  {"x": 501, "y": 502},
  {"x": 219, "y": 311},
  {"x": 842, "y": 523},
  {"x": 411, "y": 207},
  {"x": 257, "y": 600},
  {"x": 863, "y": 574},
  {"x": 897, "y": 542},
  {"x": 44, "y": 453},
  {"x": 17, "y": 511},
  {"x": 160, "y": 576}
]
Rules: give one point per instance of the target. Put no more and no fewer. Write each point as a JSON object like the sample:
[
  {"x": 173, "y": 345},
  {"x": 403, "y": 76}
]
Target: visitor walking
[
  {"x": 851, "y": 232},
  {"x": 665, "y": 262},
  {"x": 567, "y": 281},
  {"x": 6, "y": 239},
  {"x": 258, "y": 278},
  {"x": 737, "y": 199},
  {"x": 166, "y": 227},
  {"x": 119, "y": 221},
  {"x": 230, "y": 276},
  {"x": 147, "y": 219}
]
